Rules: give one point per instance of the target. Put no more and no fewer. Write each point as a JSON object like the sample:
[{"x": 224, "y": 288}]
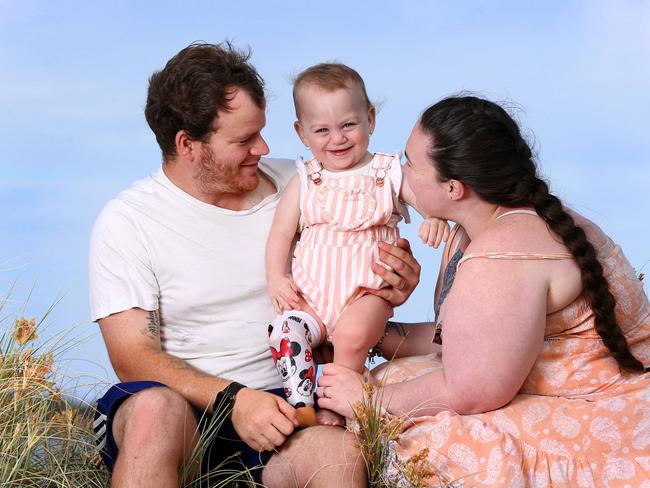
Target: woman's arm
[
  {"x": 283, "y": 230},
  {"x": 403, "y": 339},
  {"x": 494, "y": 322},
  {"x": 415, "y": 339}
]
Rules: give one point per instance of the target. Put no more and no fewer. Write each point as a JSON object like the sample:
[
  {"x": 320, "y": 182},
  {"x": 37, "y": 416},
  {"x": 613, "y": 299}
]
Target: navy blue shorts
[{"x": 226, "y": 444}]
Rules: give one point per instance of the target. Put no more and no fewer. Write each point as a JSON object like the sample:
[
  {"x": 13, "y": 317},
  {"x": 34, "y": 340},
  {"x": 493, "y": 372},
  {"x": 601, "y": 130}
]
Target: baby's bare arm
[{"x": 283, "y": 230}]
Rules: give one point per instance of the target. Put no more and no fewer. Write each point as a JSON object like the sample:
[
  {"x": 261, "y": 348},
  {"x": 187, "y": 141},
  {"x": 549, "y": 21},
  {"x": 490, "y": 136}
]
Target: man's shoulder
[
  {"x": 119, "y": 208},
  {"x": 280, "y": 169}
]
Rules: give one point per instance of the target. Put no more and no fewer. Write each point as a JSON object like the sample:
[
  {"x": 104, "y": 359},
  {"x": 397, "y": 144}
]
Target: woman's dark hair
[
  {"x": 193, "y": 86},
  {"x": 476, "y": 142}
]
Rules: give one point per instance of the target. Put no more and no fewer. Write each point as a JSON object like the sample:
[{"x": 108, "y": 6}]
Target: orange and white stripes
[{"x": 345, "y": 216}]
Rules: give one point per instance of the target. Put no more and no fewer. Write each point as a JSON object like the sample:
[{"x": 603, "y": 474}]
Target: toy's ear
[{"x": 295, "y": 349}]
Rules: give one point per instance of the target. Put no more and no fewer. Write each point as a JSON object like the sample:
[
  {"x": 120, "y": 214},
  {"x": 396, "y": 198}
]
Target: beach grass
[
  {"x": 377, "y": 431},
  {"x": 45, "y": 436}
]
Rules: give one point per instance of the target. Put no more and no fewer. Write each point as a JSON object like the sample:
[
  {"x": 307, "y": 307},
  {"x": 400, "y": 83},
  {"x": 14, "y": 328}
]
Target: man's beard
[{"x": 216, "y": 177}]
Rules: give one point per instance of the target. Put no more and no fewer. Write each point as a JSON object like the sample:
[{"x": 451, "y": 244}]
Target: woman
[{"x": 545, "y": 332}]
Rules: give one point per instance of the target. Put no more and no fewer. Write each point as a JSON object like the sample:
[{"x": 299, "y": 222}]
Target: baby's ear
[
  {"x": 372, "y": 114},
  {"x": 300, "y": 132}
]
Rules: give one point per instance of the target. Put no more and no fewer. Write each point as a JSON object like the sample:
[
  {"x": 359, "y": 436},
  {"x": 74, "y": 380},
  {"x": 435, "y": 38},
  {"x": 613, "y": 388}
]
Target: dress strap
[
  {"x": 522, "y": 211},
  {"x": 516, "y": 256},
  {"x": 457, "y": 229}
]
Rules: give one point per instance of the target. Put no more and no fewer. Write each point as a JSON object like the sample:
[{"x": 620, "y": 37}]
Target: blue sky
[{"x": 74, "y": 78}]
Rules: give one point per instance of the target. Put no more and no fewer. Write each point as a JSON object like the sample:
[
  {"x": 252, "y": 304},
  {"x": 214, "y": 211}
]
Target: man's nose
[{"x": 260, "y": 148}]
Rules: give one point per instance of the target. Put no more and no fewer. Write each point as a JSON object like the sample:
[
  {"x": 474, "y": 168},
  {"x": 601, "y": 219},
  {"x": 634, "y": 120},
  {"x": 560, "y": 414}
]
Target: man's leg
[
  {"x": 155, "y": 431},
  {"x": 319, "y": 456}
]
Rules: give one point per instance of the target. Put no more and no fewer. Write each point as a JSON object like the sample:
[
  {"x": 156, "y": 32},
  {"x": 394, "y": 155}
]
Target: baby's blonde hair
[{"x": 331, "y": 77}]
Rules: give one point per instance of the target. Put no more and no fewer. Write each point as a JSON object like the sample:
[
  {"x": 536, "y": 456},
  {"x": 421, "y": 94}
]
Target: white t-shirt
[{"x": 157, "y": 248}]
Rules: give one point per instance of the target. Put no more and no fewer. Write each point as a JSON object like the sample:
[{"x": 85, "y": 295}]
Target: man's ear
[
  {"x": 455, "y": 189},
  {"x": 301, "y": 133},
  {"x": 186, "y": 147}
]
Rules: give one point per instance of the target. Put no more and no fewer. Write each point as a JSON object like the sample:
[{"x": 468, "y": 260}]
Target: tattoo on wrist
[
  {"x": 153, "y": 325},
  {"x": 398, "y": 327}
]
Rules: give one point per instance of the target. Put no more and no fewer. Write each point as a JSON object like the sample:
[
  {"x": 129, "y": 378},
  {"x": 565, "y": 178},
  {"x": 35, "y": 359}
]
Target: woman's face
[{"x": 422, "y": 190}]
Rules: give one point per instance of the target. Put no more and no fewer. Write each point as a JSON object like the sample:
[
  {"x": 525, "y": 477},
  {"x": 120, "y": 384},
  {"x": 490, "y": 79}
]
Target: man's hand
[
  {"x": 434, "y": 231},
  {"x": 262, "y": 420},
  {"x": 283, "y": 293},
  {"x": 405, "y": 274}
]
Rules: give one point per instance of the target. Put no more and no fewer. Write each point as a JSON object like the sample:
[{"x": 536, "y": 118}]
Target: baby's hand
[
  {"x": 283, "y": 293},
  {"x": 433, "y": 231}
]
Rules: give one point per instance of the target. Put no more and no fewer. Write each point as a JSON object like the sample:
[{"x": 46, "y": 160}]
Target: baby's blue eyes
[{"x": 347, "y": 125}]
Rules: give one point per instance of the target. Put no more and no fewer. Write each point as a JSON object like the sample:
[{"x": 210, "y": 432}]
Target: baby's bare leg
[
  {"x": 304, "y": 306},
  {"x": 359, "y": 328}
]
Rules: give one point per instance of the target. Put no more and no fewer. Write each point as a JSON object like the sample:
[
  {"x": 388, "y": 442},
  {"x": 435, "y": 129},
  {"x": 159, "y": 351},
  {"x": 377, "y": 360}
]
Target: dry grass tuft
[
  {"x": 44, "y": 440},
  {"x": 376, "y": 431}
]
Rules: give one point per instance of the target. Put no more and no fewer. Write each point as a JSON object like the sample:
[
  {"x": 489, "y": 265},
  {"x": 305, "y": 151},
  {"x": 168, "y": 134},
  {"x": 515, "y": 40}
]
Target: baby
[{"x": 342, "y": 203}]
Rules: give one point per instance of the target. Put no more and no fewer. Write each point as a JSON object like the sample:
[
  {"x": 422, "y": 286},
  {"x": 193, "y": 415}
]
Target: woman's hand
[
  {"x": 339, "y": 389},
  {"x": 405, "y": 274}
]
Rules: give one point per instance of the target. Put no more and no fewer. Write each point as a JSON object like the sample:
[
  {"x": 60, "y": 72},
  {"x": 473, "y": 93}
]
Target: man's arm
[{"x": 132, "y": 338}]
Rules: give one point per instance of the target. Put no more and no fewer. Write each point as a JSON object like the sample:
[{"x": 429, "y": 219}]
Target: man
[{"x": 177, "y": 286}]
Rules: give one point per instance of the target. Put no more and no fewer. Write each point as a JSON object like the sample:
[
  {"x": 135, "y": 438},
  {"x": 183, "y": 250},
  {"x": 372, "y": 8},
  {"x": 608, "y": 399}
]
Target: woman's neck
[{"x": 477, "y": 215}]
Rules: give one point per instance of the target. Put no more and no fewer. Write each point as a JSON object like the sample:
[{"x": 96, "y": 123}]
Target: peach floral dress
[{"x": 576, "y": 422}]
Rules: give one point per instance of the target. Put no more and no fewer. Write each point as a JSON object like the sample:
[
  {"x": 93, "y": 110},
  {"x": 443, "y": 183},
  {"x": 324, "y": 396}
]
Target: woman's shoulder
[{"x": 517, "y": 233}]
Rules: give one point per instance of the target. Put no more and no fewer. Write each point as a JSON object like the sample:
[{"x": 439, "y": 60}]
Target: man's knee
[
  {"x": 338, "y": 462},
  {"x": 153, "y": 415}
]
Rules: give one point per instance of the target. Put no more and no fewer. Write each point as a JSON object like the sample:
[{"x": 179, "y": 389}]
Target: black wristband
[{"x": 226, "y": 399}]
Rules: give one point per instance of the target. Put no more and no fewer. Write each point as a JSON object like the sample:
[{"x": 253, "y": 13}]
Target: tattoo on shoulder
[{"x": 153, "y": 324}]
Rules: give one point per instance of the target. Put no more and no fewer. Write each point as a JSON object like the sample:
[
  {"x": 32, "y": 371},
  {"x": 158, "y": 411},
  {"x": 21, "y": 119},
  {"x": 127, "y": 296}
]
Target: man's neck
[{"x": 181, "y": 178}]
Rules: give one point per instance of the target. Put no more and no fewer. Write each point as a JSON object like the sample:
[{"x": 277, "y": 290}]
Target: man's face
[{"x": 229, "y": 158}]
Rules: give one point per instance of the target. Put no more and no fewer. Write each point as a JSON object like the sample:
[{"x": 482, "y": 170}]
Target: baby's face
[{"x": 335, "y": 125}]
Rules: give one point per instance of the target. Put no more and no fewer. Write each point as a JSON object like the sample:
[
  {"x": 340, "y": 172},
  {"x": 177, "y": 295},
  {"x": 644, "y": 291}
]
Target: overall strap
[
  {"x": 314, "y": 169},
  {"x": 381, "y": 164}
]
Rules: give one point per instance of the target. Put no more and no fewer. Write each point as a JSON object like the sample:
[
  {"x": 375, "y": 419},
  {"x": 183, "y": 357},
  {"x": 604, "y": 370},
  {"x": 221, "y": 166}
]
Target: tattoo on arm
[
  {"x": 398, "y": 327},
  {"x": 153, "y": 325}
]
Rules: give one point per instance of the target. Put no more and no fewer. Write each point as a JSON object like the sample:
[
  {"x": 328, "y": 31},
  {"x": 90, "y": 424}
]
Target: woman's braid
[{"x": 595, "y": 285}]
